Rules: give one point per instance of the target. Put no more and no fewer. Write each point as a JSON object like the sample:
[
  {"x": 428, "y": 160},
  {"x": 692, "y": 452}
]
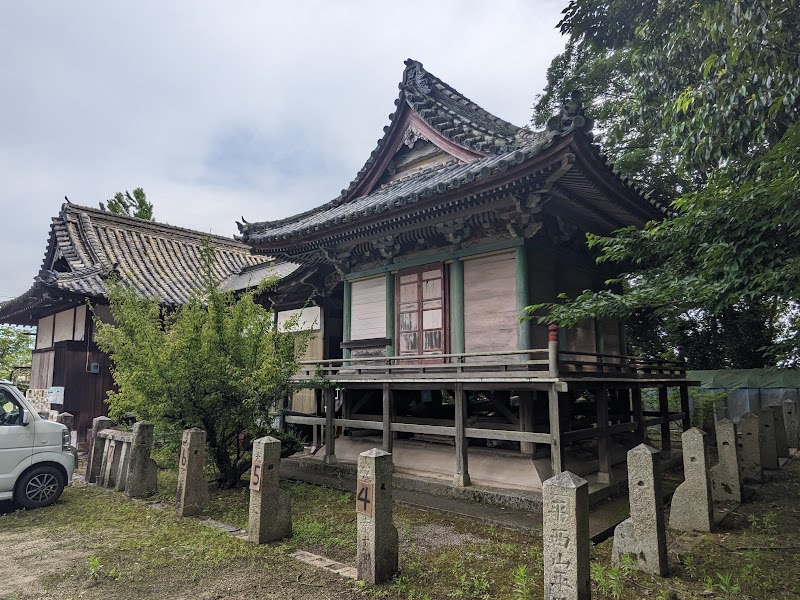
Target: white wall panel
[
  {"x": 44, "y": 332},
  {"x": 368, "y": 308},
  {"x": 64, "y": 325}
]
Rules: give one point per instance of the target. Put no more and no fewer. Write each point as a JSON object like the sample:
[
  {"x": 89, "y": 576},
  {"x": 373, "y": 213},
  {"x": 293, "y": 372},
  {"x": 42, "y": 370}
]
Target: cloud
[{"x": 223, "y": 109}]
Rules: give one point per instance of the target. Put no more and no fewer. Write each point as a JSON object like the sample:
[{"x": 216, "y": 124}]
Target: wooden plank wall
[
  {"x": 490, "y": 303},
  {"x": 41, "y": 370},
  {"x": 368, "y": 313}
]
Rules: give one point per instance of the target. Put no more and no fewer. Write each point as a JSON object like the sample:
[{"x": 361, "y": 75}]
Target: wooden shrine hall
[{"x": 422, "y": 268}]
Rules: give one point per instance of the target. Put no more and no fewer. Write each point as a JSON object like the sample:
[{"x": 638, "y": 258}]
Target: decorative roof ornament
[
  {"x": 415, "y": 75},
  {"x": 571, "y": 116},
  {"x": 411, "y": 136}
]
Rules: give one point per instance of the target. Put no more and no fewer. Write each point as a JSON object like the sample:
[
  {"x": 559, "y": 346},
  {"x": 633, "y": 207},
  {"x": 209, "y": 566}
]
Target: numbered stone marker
[
  {"x": 750, "y": 449},
  {"x": 769, "y": 446},
  {"x": 376, "y": 558},
  {"x": 96, "y": 452},
  {"x": 726, "y": 483},
  {"x": 565, "y": 502},
  {"x": 643, "y": 536},
  {"x": 270, "y": 506},
  {"x": 790, "y": 418},
  {"x": 192, "y": 493},
  {"x": 692, "y": 508},
  {"x": 142, "y": 470},
  {"x": 781, "y": 442}
]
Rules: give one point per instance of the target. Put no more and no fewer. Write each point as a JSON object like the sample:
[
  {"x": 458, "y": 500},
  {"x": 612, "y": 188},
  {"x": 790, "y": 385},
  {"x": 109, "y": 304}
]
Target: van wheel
[{"x": 41, "y": 486}]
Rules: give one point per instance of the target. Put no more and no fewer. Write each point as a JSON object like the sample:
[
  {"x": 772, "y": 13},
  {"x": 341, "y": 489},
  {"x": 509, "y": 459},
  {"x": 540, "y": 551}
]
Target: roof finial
[
  {"x": 571, "y": 116},
  {"x": 414, "y": 76}
]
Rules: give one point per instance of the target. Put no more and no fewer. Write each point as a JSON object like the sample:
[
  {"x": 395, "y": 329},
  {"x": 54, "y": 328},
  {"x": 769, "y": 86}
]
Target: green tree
[
  {"x": 135, "y": 205},
  {"x": 15, "y": 350},
  {"x": 217, "y": 363},
  {"x": 719, "y": 81}
]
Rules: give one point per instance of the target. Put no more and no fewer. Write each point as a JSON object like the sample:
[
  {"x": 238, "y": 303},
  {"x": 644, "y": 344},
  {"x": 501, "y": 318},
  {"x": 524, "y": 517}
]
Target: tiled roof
[
  {"x": 494, "y": 144},
  {"x": 87, "y": 245}
]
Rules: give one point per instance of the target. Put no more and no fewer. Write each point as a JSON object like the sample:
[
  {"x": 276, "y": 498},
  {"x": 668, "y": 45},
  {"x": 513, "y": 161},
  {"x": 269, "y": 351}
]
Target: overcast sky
[{"x": 229, "y": 108}]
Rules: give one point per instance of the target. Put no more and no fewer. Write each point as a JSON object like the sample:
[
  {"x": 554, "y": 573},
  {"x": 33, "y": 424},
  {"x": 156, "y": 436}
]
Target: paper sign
[{"x": 364, "y": 502}]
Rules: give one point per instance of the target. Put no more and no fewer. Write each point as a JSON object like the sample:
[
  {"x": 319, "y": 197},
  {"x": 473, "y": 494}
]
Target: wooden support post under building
[
  {"x": 329, "y": 396},
  {"x": 388, "y": 412},
  {"x": 556, "y": 442},
  {"x": 526, "y": 400},
  {"x": 604, "y": 474},
  {"x": 687, "y": 418},
  {"x": 638, "y": 414},
  {"x": 461, "y": 478},
  {"x": 663, "y": 405}
]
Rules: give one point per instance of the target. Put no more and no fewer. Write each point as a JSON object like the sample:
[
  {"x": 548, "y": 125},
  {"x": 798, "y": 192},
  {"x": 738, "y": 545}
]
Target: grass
[{"x": 126, "y": 549}]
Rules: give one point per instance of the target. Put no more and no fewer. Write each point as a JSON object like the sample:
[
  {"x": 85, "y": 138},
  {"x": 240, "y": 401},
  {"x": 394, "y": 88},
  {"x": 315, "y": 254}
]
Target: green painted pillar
[
  {"x": 390, "y": 313},
  {"x": 346, "y": 308},
  {"x": 523, "y": 326},
  {"x": 457, "y": 306}
]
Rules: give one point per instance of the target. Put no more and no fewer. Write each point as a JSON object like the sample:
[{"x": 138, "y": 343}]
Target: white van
[{"x": 36, "y": 460}]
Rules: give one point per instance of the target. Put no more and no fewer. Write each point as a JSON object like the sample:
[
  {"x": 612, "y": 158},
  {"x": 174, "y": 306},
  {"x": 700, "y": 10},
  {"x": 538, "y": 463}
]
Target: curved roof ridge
[
  {"x": 130, "y": 223},
  {"x": 458, "y": 124}
]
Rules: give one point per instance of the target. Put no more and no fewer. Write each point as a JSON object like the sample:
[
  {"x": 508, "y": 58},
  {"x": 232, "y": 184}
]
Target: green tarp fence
[{"x": 731, "y": 379}]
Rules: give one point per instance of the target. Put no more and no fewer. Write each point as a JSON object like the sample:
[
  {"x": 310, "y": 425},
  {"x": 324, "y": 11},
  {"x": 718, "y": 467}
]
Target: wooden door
[{"x": 420, "y": 308}]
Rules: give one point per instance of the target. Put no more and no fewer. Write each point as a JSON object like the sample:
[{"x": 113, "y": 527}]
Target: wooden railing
[{"x": 547, "y": 363}]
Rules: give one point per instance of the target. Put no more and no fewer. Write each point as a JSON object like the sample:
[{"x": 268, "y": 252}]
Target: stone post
[
  {"x": 790, "y": 419},
  {"x": 750, "y": 449},
  {"x": 643, "y": 535},
  {"x": 769, "y": 446},
  {"x": 376, "y": 558},
  {"x": 142, "y": 470},
  {"x": 781, "y": 442},
  {"x": 692, "y": 508},
  {"x": 96, "y": 451},
  {"x": 67, "y": 419},
  {"x": 270, "y": 506},
  {"x": 192, "y": 492},
  {"x": 726, "y": 481},
  {"x": 565, "y": 504}
]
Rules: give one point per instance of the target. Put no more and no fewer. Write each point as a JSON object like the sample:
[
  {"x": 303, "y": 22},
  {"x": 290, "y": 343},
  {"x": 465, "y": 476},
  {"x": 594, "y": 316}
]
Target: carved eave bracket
[
  {"x": 523, "y": 218},
  {"x": 455, "y": 231},
  {"x": 388, "y": 247}
]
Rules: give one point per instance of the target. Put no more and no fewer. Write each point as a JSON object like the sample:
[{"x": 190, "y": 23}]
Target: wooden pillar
[
  {"x": 604, "y": 474},
  {"x": 388, "y": 413},
  {"x": 556, "y": 443},
  {"x": 457, "y": 343},
  {"x": 524, "y": 325},
  {"x": 599, "y": 343},
  {"x": 461, "y": 478},
  {"x": 638, "y": 414},
  {"x": 687, "y": 417},
  {"x": 526, "y": 400},
  {"x": 663, "y": 405},
  {"x": 347, "y": 307},
  {"x": 623, "y": 337},
  {"x": 329, "y": 395},
  {"x": 390, "y": 318}
]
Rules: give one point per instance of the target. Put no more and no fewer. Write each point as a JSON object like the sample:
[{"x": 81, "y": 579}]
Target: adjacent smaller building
[{"x": 85, "y": 247}]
